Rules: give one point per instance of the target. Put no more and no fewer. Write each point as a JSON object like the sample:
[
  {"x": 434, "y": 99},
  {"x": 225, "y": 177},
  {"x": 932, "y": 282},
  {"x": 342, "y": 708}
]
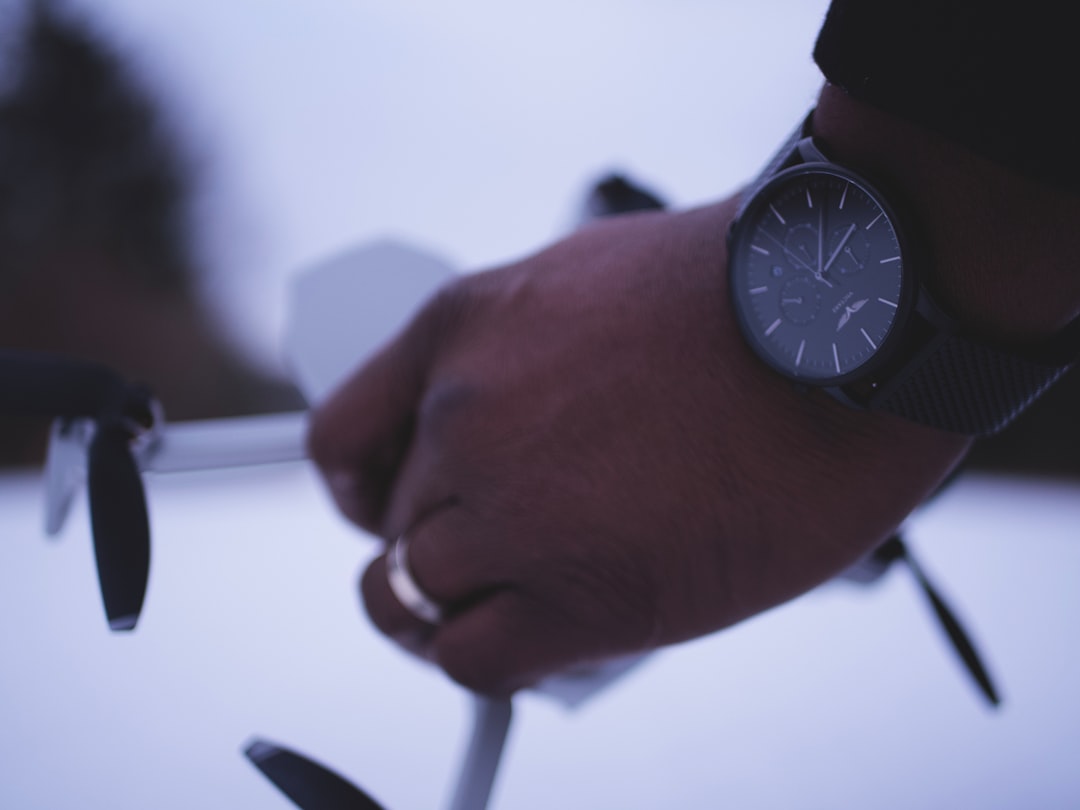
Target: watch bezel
[{"x": 738, "y": 236}]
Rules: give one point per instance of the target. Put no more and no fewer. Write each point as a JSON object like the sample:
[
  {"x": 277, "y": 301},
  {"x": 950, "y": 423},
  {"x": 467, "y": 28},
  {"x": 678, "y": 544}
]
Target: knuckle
[{"x": 444, "y": 412}]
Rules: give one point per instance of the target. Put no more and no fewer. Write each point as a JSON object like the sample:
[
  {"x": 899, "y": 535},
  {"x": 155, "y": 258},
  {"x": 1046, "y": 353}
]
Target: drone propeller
[
  {"x": 315, "y": 787},
  {"x": 115, "y": 412},
  {"x": 310, "y": 785},
  {"x": 120, "y": 525},
  {"x": 107, "y": 432},
  {"x": 895, "y": 549}
]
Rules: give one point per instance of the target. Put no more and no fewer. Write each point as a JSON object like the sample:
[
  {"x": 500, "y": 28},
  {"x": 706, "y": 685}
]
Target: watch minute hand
[
  {"x": 840, "y": 247},
  {"x": 821, "y": 241}
]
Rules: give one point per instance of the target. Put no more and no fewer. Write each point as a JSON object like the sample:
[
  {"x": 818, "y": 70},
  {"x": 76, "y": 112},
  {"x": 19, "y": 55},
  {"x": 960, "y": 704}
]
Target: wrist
[{"x": 1003, "y": 247}]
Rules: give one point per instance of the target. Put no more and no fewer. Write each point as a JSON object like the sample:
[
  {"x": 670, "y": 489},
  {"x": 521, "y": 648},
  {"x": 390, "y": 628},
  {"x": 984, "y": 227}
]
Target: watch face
[{"x": 817, "y": 274}]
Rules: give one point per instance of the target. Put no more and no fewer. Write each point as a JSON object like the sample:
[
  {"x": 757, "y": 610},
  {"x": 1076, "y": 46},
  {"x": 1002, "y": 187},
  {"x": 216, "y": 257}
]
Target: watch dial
[{"x": 817, "y": 274}]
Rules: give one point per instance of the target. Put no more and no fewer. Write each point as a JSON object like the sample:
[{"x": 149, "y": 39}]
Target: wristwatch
[{"x": 826, "y": 274}]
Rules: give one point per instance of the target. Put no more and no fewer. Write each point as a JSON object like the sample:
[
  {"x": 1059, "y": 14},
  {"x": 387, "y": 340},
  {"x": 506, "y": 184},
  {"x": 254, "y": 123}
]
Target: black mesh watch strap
[
  {"x": 968, "y": 387},
  {"x": 780, "y": 159}
]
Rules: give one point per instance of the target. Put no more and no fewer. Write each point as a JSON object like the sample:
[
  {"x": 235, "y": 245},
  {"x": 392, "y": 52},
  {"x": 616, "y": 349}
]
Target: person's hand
[{"x": 588, "y": 462}]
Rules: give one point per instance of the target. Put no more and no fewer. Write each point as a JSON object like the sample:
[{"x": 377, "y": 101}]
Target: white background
[{"x": 473, "y": 129}]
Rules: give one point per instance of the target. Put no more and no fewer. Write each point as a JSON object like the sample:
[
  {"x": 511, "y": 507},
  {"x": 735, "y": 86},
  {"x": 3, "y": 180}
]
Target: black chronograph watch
[{"x": 826, "y": 275}]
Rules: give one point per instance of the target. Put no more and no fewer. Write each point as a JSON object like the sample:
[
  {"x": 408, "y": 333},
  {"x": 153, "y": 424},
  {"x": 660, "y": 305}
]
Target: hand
[{"x": 588, "y": 462}]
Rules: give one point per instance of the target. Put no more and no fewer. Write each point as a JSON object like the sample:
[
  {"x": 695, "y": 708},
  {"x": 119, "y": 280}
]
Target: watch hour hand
[{"x": 803, "y": 263}]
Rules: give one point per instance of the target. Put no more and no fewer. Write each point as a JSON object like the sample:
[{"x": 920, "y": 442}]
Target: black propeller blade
[
  {"x": 962, "y": 642},
  {"x": 47, "y": 385},
  {"x": 120, "y": 524},
  {"x": 310, "y": 785},
  {"x": 895, "y": 549}
]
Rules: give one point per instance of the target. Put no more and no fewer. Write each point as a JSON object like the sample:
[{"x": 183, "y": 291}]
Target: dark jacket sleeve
[{"x": 1002, "y": 79}]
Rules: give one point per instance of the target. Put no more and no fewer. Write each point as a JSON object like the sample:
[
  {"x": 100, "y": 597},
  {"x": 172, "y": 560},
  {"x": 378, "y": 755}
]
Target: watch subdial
[
  {"x": 801, "y": 247},
  {"x": 854, "y": 250},
  {"x": 800, "y": 301}
]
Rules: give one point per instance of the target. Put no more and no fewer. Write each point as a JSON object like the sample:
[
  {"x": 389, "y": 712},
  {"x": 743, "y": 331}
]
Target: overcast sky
[{"x": 471, "y": 127}]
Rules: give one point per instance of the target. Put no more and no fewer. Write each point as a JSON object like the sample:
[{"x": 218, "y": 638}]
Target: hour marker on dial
[{"x": 772, "y": 327}]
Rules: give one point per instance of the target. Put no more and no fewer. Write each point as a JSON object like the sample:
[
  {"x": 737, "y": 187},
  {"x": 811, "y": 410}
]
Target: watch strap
[
  {"x": 781, "y": 159},
  {"x": 964, "y": 386}
]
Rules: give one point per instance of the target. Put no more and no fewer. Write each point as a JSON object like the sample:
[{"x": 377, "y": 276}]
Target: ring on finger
[{"x": 404, "y": 587}]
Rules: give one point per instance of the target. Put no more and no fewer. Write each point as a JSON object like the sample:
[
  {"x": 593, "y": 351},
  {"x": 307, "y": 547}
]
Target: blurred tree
[{"x": 96, "y": 243}]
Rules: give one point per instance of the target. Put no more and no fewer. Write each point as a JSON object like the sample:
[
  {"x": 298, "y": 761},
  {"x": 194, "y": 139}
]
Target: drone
[{"x": 108, "y": 433}]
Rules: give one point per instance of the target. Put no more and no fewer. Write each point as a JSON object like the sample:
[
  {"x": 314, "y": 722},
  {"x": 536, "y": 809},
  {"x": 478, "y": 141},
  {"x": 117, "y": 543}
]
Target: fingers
[
  {"x": 391, "y": 444},
  {"x": 500, "y": 645},
  {"x": 447, "y": 561},
  {"x": 361, "y": 435},
  {"x": 389, "y": 615},
  {"x": 490, "y": 643},
  {"x": 490, "y": 637}
]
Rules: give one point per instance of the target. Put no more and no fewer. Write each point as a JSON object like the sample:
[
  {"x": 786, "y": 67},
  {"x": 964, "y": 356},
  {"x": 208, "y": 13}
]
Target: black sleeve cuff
[{"x": 999, "y": 78}]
